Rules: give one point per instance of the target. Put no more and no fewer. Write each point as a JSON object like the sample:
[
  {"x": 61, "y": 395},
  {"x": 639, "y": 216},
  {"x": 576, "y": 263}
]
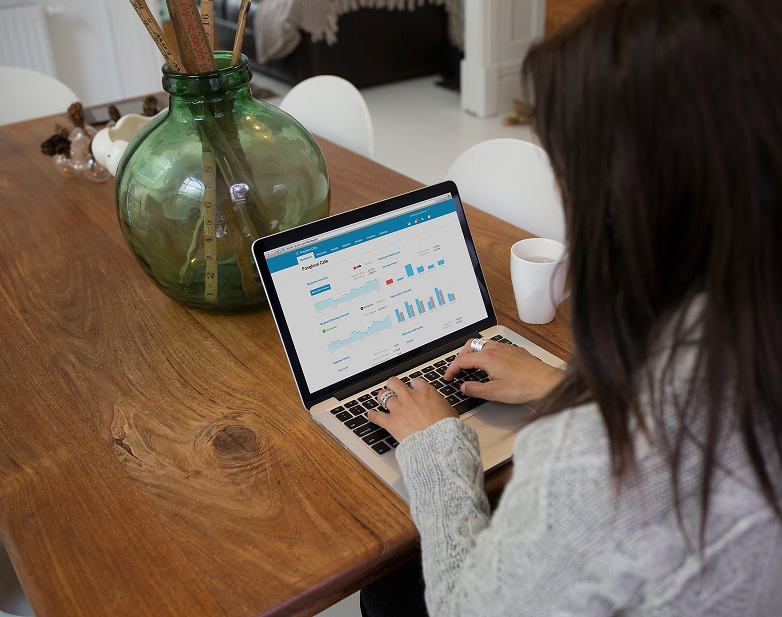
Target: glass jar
[{"x": 199, "y": 184}]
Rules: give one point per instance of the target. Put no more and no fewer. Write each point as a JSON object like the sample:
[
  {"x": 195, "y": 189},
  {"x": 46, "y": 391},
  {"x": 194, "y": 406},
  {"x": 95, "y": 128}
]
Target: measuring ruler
[
  {"x": 207, "y": 19},
  {"x": 208, "y": 210},
  {"x": 157, "y": 34},
  {"x": 194, "y": 49}
]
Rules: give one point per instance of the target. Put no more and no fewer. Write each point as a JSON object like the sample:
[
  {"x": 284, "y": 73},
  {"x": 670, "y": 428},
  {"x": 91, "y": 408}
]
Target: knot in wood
[{"x": 234, "y": 443}]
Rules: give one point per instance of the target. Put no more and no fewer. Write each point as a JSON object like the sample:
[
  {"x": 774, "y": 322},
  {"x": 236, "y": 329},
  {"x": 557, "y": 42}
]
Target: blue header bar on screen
[{"x": 305, "y": 255}]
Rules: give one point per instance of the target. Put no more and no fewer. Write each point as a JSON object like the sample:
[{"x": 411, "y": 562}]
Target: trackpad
[{"x": 497, "y": 425}]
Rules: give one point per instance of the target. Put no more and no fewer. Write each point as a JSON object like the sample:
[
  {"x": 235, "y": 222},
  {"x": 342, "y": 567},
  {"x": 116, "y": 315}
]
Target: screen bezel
[{"x": 325, "y": 225}]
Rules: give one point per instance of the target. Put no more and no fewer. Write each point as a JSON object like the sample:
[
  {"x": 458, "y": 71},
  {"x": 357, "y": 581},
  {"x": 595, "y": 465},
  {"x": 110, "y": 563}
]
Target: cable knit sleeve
[
  {"x": 564, "y": 541},
  {"x": 537, "y": 547}
]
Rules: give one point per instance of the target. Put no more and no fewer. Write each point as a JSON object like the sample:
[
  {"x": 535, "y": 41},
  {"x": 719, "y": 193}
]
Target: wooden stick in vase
[
  {"x": 243, "y": 12},
  {"x": 150, "y": 23},
  {"x": 194, "y": 49},
  {"x": 207, "y": 19},
  {"x": 185, "y": 53}
]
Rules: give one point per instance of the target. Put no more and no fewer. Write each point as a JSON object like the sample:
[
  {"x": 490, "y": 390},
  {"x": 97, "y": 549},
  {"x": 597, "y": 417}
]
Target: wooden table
[{"x": 156, "y": 460}]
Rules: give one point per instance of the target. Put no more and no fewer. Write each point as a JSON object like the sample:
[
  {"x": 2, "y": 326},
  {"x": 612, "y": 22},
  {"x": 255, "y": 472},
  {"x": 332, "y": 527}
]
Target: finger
[
  {"x": 464, "y": 361},
  {"x": 395, "y": 384},
  {"x": 380, "y": 418},
  {"x": 417, "y": 386},
  {"x": 418, "y": 382},
  {"x": 477, "y": 389},
  {"x": 391, "y": 404},
  {"x": 384, "y": 398}
]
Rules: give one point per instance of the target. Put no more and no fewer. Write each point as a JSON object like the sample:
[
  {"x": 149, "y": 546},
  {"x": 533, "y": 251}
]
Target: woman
[{"x": 652, "y": 483}]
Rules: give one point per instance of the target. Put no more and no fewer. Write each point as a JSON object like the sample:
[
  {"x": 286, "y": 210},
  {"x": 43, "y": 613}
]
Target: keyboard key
[
  {"x": 453, "y": 400},
  {"x": 344, "y": 416},
  {"x": 427, "y": 369},
  {"x": 466, "y": 405},
  {"x": 392, "y": 442},
  {"x": 482, "y": 375},
  {"x": 366, "y": 429},
  {"x": 364, "y": 397},
  {"x": 437, "y": 384},
  {"x": 440, "y": 363},
  {"x": 446, "y": 390},
  {"x": 371, "y": 404},
  {"x": 376, "y": 392},
  {"x": 336, "y": 410},
  {"x": 356, "y": 422},
  {"x": 415, "y": 374},
  {"x": 351, "y": 403},
  {"x": 431, "y": 376},
  {"x": 405, "y": 379},
  {"x": 358, "y": 409},
  {"x": 373, "y": 438},
  {"x": 442, "y": 369},
  {"x": 381, "y": 447},
  {"x": 450, "y": 358}
]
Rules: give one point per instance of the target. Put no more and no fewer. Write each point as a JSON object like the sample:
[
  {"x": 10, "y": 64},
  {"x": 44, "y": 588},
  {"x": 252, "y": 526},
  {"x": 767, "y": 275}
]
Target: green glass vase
[{"x": 199, "y": 184}]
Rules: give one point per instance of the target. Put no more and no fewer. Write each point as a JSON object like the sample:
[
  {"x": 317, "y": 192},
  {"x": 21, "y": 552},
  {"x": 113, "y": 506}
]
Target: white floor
[{"x": 420, "y": 128}]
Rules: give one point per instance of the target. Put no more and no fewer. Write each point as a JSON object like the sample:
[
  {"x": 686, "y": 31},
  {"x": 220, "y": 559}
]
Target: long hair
[{"x": 663, "y": 123}]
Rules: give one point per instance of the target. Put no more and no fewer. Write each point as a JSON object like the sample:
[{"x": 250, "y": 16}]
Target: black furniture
[{"x": 374, "y": 46}]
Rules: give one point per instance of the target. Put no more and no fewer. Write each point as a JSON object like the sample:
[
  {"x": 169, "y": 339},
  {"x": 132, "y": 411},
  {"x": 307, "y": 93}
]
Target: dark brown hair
[{"x": 662, "y": 119}]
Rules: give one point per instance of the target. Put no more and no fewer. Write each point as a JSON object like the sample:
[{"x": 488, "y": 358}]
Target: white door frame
[{"x": 497, "y": 35}]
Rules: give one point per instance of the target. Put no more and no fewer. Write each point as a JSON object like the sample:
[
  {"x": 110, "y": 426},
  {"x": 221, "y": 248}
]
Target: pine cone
[
  {"x": 76, "y": 114},
  {"x": 56, "y": 144}
]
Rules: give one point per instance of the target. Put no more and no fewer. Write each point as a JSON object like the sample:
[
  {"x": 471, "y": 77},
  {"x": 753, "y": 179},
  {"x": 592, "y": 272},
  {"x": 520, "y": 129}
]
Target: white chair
[
  {"x": 512, "y": 180},
  {"x": 334, "y": 109},
  {"x": 29, "y": 94}
]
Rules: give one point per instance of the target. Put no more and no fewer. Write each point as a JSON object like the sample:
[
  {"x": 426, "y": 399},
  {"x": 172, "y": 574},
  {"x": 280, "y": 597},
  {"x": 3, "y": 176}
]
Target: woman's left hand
[{"x": 413, "y": 408}]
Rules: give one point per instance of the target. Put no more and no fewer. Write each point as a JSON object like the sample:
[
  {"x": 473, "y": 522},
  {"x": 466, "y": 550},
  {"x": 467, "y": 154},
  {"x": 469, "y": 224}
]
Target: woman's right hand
[{"x": 515, "y": 375}]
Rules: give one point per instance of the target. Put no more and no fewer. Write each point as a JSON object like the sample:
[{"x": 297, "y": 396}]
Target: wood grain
[{"x": 156, "y": 460}]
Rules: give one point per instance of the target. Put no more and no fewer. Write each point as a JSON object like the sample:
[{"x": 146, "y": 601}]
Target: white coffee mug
[{"x": 537, "y": 269}]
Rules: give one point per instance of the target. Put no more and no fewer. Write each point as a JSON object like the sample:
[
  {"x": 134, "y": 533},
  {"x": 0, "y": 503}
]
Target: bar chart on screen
[{"x": 420, "y": 307}]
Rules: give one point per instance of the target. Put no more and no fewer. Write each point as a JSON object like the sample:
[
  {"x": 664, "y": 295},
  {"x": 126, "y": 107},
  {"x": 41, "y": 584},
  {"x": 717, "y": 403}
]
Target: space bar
[{"x": 467, "y": 404}]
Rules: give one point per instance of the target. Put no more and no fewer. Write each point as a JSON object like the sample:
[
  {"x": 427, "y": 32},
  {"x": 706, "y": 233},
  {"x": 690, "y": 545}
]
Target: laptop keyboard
[{"x": 353, "y": 413}]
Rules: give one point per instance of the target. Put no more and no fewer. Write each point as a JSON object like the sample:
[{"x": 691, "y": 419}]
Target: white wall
[{"x": 101, "y": 49}]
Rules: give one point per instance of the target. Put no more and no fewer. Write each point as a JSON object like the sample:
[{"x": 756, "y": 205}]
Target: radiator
[{"x": 24, "y": 39}]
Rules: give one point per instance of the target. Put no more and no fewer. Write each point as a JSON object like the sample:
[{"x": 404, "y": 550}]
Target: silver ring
[
  {"x": 385, "y": 396},
  {"x": 477, "y": 344}
]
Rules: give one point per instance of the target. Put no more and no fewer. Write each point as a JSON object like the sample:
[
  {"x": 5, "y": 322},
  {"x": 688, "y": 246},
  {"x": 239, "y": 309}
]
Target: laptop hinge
[{"x": 403, "y": 367}]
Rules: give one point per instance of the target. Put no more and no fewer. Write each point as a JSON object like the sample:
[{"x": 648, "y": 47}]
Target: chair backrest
[
  {"x": 29, "y": 94},
  {"x": 512, "y": 180},
  {"x": 333, "y": 108}
]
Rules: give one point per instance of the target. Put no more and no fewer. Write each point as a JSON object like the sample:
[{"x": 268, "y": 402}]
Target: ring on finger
[
  {"x": 384, "y": 398},
  {"x": 477, "y": 344}
]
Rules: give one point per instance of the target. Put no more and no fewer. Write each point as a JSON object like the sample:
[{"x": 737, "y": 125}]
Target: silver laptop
[{"x": 393, "y": 288}]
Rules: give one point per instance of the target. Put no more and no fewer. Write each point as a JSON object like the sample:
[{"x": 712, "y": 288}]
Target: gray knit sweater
[{"x": 563, "y": 541}]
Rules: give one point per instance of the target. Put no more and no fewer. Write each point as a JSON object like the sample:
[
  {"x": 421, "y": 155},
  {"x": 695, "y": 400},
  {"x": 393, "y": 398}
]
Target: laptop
[{"x": 392, "y": 288}]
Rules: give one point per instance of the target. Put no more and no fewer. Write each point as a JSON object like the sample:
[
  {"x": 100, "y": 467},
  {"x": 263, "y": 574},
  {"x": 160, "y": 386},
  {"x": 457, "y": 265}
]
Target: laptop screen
[{"x": 367, "y": 288}]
